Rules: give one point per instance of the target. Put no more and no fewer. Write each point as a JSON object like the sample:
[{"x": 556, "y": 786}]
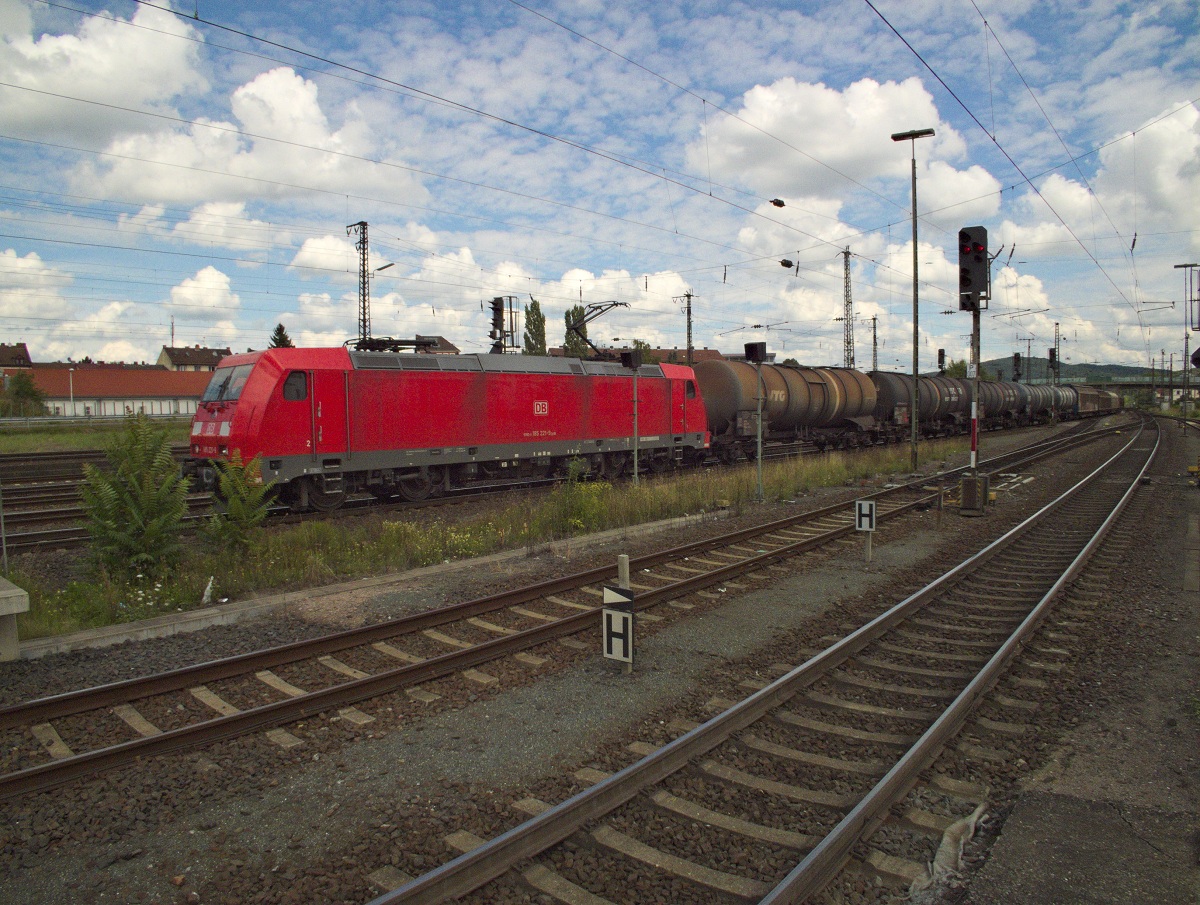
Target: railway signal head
[
  {"x": 756, "y": 352},
  {"x": 497, "y": 318},
  {"x": 1016, "y": 367},
  {"x": 974, "y": 270}
]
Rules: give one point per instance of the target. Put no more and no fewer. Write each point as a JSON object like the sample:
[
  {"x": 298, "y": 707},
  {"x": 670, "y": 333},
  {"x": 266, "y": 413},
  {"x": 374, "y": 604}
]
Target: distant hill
[{"x": 1092, "y": 373}]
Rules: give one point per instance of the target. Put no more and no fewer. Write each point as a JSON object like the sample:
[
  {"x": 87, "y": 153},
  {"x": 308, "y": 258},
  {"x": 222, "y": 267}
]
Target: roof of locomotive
[
  {"x": 340, "y": 358},
  {"x": 501, "y": 364}
]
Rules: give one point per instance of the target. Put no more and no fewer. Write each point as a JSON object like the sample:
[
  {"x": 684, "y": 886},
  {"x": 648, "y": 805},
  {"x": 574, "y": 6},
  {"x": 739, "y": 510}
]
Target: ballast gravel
[{"x": 246, "y": 821}]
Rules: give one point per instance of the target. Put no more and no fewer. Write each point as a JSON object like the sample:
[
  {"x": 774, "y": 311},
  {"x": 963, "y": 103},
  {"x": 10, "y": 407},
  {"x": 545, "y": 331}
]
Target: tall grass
[
  {"x": 46, "y": 435},
  {"x": 322, "y": 552}
]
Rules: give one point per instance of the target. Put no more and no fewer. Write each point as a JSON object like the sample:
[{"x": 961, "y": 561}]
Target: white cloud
[
  {"x": 148, "y": 220},
  {"x": 207, "y": 294},
  {"x": 281, "y": 146},
  {"x": 847, "y": 131},
  {"x": 94, "y": 64},
  {"x": 329, "y": 256},
  {"x": 30, "y": 287},
  {"x": 320, "y": 314},
  {"x": 225, "y": 224},
  {"x": 833, "y": 87},
  {"x": 103, "y": 335}
]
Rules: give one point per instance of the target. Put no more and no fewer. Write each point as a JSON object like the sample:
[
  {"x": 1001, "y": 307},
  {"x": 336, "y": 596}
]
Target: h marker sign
[
  {"x": 616, "y": 624},
  {"x": 864, "y": 520}
]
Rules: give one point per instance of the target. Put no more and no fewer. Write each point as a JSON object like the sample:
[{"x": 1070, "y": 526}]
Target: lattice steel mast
[
  {"x": 364, "y": 280},
  {"x": 848, "y": 315}
]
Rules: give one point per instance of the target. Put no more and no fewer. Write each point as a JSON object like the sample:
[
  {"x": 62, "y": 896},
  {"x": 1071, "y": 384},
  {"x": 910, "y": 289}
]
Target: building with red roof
[
  {"x": 193, "y": 358},
  {"x": 87, "y": 390}
]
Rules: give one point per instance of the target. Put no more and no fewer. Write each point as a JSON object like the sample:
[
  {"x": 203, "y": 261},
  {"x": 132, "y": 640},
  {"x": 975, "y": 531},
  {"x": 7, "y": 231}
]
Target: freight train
[{"x": 326, "y": 423}]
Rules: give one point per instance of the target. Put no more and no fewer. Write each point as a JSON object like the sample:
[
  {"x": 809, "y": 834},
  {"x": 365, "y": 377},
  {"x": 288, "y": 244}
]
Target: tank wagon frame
[{"x": 841, "y": 407}]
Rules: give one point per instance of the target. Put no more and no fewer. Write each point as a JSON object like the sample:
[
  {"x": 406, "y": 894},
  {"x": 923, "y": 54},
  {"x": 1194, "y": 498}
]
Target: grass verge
[{"x": 48, "y": 436}]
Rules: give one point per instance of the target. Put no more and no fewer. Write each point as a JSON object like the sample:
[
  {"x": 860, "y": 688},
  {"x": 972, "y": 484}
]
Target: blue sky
[{"x": 201, "y": 169}]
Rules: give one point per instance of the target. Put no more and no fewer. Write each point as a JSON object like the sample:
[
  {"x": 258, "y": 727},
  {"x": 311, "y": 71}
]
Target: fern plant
[
  {"x": 241, "y": 504},
  {"x": 135, "y": 511}
]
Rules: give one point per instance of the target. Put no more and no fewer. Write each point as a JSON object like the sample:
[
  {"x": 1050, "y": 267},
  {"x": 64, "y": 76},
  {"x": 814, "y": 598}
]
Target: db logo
[{"x": 541, "y": 408}]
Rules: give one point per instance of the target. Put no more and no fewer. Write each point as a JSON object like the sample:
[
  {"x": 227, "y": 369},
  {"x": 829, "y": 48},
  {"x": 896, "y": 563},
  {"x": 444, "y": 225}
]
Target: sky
[{"x": 185, "y": 173}]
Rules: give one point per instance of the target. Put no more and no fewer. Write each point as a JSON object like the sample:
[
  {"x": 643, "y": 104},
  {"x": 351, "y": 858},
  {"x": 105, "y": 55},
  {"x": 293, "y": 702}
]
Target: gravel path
[{"x": 249, "y": 822}]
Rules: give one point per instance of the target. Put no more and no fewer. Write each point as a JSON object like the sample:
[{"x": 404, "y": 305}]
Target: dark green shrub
[
  {"x": 135, "y": 511},
  {"x": 241, "y": 504}
]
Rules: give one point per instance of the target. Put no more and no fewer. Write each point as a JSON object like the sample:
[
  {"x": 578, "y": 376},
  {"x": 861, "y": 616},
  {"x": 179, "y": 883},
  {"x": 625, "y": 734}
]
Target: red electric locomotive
[{"x": 328, "y": 422}]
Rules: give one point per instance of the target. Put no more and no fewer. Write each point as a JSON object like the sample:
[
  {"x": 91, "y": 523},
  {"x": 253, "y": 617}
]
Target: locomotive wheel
[
  {"x": 616, "y": 465},
  {"x": 416, "y": 488},
  {"x": 659, "y": 463},
  {"x": 322, "y": 501}
]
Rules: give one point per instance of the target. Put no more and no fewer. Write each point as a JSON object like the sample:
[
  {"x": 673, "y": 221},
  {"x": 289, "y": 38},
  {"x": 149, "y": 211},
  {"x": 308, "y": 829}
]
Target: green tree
[
  {"x": 280, "y": 339},
  {"x": 956, "y": 367},
  {"x": 24, "y": 397},
  {"x": 535, "y": 329},
  {"x": 135, "y": 511},
  {"x": 647, "y": 351},
  {"x": 240, "y": 505},
  {"x": 575, "y": 346}
]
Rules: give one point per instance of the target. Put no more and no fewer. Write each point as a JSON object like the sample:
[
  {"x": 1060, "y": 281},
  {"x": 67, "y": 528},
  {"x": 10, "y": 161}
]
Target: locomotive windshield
[{"x": 226, "y": 384}]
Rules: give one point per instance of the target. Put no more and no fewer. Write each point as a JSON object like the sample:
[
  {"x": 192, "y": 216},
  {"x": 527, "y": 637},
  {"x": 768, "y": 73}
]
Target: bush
[
  {"x": 135, "y": 511},
  {"x": 240, "y": 504}
]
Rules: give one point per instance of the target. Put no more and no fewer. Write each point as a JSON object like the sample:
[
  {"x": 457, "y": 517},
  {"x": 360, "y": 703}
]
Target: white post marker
[
  {"x": 864, "y": 520},
  {"x": 616, "y": 625}
]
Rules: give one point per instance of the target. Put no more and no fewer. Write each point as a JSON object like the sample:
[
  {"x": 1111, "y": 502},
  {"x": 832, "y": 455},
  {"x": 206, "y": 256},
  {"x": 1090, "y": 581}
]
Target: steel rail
[
  {"x": 59, "y": 772},
  {"x": 75, "y": 536},
  {"x": 827, "y": 858},
  {"x": 72, "y": 702},
  {"x": 473, "y": 869},
  {"x": 65, "y": 770}
]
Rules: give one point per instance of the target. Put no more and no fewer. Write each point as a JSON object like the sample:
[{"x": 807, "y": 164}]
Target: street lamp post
[
  {"x": 71, "y": 381},
  {"x": 912, "y": 413}
]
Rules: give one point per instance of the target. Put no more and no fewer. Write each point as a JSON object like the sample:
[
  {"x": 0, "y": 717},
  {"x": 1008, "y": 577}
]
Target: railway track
[
  {"x": 39, "y": 467},
  {"x": 770, "y": 800},
  {"x": 46, "y": 512},
  {"x": 56, "y": 740},
  {"x": 31, "y": 512}
]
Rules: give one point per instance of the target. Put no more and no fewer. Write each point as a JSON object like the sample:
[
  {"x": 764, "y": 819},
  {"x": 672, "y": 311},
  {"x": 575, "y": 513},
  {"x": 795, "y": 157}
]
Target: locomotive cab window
[
  {"x": 295, "y": 387},
  {"x": 691, "y": 389},
  {"x": 226, "y": 384}
]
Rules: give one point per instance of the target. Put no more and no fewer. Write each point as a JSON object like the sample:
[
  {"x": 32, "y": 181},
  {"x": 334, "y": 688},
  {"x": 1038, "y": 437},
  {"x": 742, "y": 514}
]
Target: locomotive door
[
  {"x": 330, "y": 420},
  {"x": 679, "y": 407}
]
